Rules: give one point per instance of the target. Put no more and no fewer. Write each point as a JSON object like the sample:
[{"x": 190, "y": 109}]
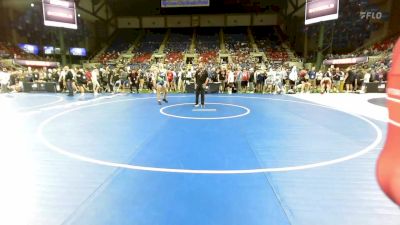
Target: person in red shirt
[
  {"x": 170, "y": 79},
  {"x": 304, "y": 81},
  {"x": 88, "y": 75},
  {"x": 388, "y": 166}
]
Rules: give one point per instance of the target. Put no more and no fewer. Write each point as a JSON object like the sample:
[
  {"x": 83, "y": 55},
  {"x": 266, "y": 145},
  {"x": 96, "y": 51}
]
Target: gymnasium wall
[{"x": 216, "y": 20}]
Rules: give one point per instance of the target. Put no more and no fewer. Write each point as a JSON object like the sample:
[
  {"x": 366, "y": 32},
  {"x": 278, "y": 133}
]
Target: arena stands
[
  {"x": 383, "y": 47},
  {"x": 150, "y": 43},
  {"x": 350, "y": 30},
  {"x": 178, "y": 43},
  {"x": 268, "y": 41},
  {"x": 10, "y": 51},
  {"x": 237, "y": 44},
  {"x": 207, "y": 44},
  {"x": 121, "y": 43}
]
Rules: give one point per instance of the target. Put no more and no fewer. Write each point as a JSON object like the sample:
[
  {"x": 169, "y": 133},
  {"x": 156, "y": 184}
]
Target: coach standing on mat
[{"x": 201, "y": 81}]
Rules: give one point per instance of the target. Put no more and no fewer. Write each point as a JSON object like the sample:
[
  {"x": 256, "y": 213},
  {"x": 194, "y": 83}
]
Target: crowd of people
[
  {"x": 238, "y": 47},
  {"x": 242, "y": 75},
  {"x": 232, "y": 78},
  {"x": 381, "y": 48}
]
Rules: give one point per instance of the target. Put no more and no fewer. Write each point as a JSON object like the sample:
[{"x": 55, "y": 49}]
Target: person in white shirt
[
  {"x": 367, "y": 77},
  {"x": 95, "y": 82},
  {"x": 75, "y": 88},
  {"x": 278, "y": 81},
  {"x": 181, "y": 81},
  {"x": 293, "y": 77},
  {"x": 231, "y": 81},
  {"x": 4, "y": 80},
  {"x": 319, "y": 76},
  {"x": 269, "y": 81},
  {"x": 189, "y": 75},
  {"x": 61, "y": 80},
  {"x": 160, "y": 82}
]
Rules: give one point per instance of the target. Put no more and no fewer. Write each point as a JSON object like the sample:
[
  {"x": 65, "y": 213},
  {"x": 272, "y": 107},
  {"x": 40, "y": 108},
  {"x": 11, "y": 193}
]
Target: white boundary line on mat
[
  {"x": 247, "y": 111},
  {"x": 67, "y": 153},
  {"x": 59, "y": 99}
]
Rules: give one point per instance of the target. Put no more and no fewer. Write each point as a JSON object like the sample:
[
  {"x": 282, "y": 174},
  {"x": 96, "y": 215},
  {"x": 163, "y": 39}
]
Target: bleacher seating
[
  {"x": 121, "y": 43},
  {"x": 374, "y": 50},
  {"x": 207, "y": 44},
  {"x": 10, "y": 51},
  {"x": 268, "y": 41},
  {"x": 141, "y": 57},
  {"x": 150, "y": 43},
  {"x": 350, "y": 30},
  {"x": 178, "y": 43},
  {"x": 237, "y": 44}
]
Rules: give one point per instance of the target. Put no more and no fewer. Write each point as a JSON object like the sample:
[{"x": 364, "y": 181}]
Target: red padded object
[{"x": 388, "y": 167}]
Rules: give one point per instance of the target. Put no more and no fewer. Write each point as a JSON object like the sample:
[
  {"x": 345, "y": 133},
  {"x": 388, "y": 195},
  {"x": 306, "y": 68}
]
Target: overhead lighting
[
  {"x": 32, "y": 5},
  {"x": 79, "y": 15}
]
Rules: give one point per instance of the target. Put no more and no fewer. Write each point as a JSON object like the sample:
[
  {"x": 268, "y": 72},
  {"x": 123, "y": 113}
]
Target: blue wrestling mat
[{"x": 241, "y": 160}]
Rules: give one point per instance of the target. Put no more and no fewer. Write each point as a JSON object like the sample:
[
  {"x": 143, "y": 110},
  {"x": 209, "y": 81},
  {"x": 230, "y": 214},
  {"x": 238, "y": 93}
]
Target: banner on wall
[
  {"x": 184, "y": 3},
  {"x": 34, "y": 63},
  {"x": 355, "y": 60}
]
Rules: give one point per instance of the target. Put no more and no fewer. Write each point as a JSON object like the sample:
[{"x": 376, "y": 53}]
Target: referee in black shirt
[{"x": 201, "y": 81}]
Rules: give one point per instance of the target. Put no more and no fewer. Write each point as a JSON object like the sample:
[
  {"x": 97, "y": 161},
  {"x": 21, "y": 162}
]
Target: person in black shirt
[
  {"x": 36, "y": 76},
  {"x": 69, "y": 78},
  {"x": 222, "y": 79},
  {"x": 55, "y": 76},
  {"x": 337, "y": 75},
  {"x": 358, "y": 78},
  {"x": 13, "y": 78},
  {"x": 81, "y": 81},
  {"x": 14, "y": 81},
  {"x": 110, "y": 79},
  {"x": 213, "y": 75},
  {"x": 312, "y": 75},
  {"x": 201, "y": 81},
  {"x": 349, "y": 79},
  {"x": 251, "y": 80},
  {"x": 116, "y": 81},
  {"x": 134, "y": 80}
]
